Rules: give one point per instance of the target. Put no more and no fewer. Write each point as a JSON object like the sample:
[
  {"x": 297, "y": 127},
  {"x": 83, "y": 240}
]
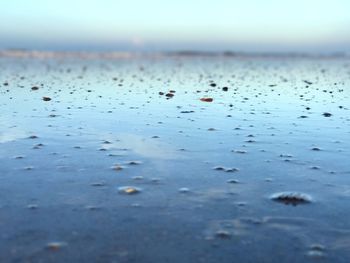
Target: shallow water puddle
[{"x": 188, "y": 159}]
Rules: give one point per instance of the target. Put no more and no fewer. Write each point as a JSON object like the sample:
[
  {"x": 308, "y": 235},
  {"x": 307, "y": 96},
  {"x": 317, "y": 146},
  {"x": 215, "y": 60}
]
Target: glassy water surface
[{"x": 174, "y": 159}]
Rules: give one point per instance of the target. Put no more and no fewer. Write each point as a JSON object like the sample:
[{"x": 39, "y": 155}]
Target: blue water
[{"x": 104, "y": 113}]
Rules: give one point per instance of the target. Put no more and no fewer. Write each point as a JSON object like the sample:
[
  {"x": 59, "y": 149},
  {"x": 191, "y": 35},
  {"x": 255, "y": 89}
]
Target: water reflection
[{"x": 204, "y": 170}]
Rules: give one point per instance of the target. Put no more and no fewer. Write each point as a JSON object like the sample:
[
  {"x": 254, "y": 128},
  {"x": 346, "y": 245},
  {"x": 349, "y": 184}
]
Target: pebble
[
  {"x": 32, "y": 206},
  {"x": 316, "y": 251},
  {"x": 117, "y": 168},
  {"x": 129, "y": 190},
  {"x": 55, "y": 246},
  {"x": 293, "y": 198},
  {"x": 231, "y": 170},
  {"x": 239, "y": 151},
  {"x": 134, "y": 162},
  {"x": 184, "y": 190},
  {"x": 232, "y": 181},
  {"x": 98, "y": 184},
  {"x": 207, "y": 99},
  {"x": 223, "y": 234}
]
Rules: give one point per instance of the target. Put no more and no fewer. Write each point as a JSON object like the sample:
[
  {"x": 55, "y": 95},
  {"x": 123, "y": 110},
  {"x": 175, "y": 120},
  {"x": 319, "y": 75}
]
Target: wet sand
[{"x": 174, "y": 159}]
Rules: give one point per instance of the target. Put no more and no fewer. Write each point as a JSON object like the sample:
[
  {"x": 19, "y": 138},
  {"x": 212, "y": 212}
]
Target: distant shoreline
[{"x": 22, "y": 53}]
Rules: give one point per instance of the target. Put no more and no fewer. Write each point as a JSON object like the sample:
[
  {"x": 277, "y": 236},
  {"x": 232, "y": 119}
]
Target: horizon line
[{"x": 22, "y": 52}]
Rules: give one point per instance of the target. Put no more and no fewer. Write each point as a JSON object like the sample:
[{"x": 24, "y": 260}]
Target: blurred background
[{"x": 321, "y": 26}]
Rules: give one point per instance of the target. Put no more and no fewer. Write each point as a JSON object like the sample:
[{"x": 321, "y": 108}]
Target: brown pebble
[{"x": 207, "y": 99}]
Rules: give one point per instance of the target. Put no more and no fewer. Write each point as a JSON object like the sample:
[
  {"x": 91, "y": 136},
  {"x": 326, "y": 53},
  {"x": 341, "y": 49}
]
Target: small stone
[
  {"x": 207, "y": 99},
  {"x": 155, "y": 180},
  {"x": 293, "y": 198},
  {"x": 327, "y": 114},
  {"x": 184, "y": 190},
  {"x": 55, "y": 246},
  {"x": 315, "y": 167},
  {"x": 239, "y": 151},
  {"x": 117, "y": 168},
  {"x": 223, "y": 234},
  {"x": 231, "y": 170},
  {"x": 286, "y": 155},
  {"x": 32, "y": 206},
  {"x": 98, "y": 184},
  {"x": 318, "y": 247},
  {"x": 46, "y": 98},
  {"x": 232, "y": 181},
  {"x": 129, "y": 190},
  {"x": 92, "y": 207},
  {"x": 134, "y": 162},
  {"x": 316, "y": 251}
]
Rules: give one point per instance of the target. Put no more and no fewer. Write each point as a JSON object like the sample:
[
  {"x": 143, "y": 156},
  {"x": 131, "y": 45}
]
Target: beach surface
[{"x": 174, "y": 158}]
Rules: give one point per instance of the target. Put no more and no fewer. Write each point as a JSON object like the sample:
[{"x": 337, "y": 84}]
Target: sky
[{"x": 164, "y": 25}]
